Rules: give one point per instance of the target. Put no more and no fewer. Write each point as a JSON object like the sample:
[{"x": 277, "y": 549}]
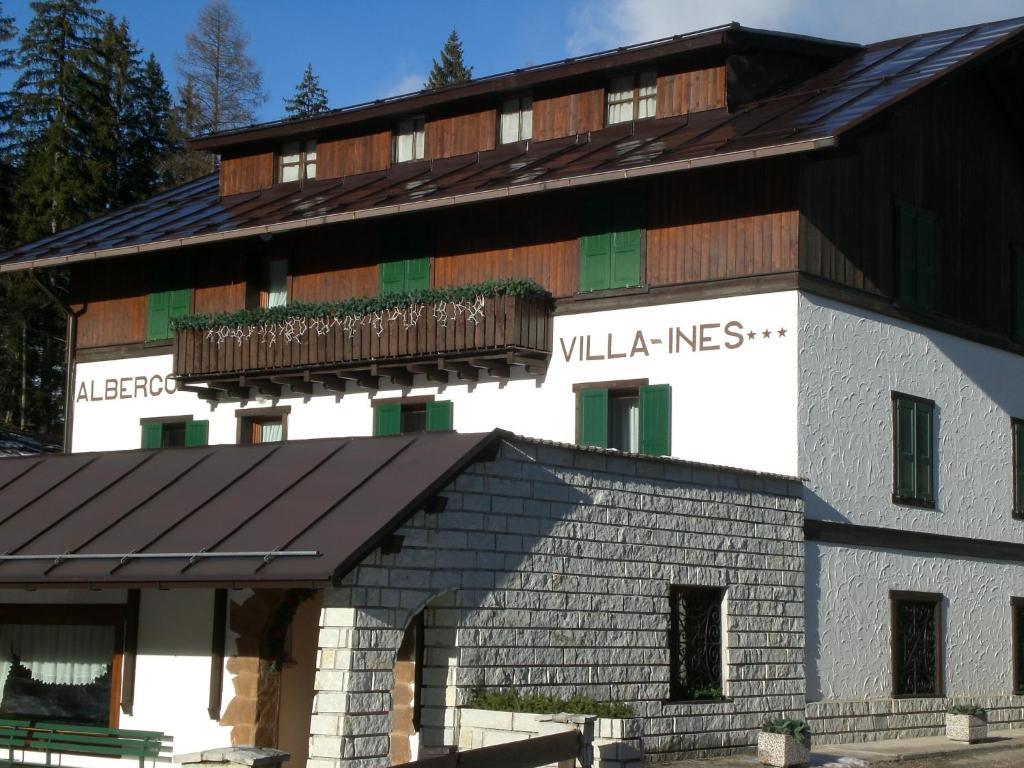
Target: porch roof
[{"x": 294, "y": 512}]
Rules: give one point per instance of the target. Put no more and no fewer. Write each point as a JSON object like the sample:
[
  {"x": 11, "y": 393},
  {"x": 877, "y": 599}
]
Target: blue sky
[{"x": 365, "y": 49}]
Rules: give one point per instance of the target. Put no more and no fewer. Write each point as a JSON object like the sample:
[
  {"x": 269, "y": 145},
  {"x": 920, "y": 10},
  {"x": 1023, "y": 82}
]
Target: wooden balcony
[{"x": 368, "y": 353}]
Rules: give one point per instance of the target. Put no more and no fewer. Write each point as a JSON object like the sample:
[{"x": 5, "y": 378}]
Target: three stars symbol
[{"x": 767, "y": 334}]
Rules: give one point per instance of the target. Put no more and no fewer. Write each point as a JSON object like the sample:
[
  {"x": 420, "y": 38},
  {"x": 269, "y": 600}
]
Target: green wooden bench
[{"x": 59, "y": 739}]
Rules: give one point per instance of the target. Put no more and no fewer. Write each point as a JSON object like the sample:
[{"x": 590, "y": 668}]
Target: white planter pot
[
  {"x": 965, "y": 728},
  {"x": 780, "y": 750}
]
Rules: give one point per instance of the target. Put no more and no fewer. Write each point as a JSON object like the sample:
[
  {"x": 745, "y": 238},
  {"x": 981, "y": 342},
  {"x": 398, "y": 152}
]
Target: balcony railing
[{"x": 439, "y": 340}]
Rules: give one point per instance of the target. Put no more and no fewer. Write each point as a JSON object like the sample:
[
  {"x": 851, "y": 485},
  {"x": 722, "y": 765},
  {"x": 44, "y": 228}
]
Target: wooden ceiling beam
[
  {"x": 432, "y": 372},
  {"x": 464, "y": 371}
]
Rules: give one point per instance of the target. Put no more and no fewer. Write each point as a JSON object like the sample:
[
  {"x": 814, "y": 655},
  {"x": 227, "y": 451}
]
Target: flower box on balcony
[{"x": 489, "y": 332}]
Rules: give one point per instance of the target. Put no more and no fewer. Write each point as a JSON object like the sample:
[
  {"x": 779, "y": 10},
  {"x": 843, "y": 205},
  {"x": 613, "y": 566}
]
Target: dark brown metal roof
[
  {"x": 810, "y": 116},
  {"x": 292, "y": 512},
  {"x": 729, "y": 38}
]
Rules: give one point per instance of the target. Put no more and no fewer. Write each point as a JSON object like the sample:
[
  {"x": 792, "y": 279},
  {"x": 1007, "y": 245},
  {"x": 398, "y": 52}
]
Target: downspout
[{"x": 69, "y": 356}]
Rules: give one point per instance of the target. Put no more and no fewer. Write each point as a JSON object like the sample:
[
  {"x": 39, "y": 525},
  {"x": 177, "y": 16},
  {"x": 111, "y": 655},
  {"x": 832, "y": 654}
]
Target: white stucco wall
[
  {"x": 733, "y": 399},
  {"x": 172, "y": 669},
  {"x": 850, "y": 363},
  {"x": 848, "y": 626}
]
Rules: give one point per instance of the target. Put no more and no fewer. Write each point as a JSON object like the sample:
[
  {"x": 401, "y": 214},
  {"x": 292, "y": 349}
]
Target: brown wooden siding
[
  {"x": 246, "y": 174},
  {"x": 951, "y": 151},
  {"x": 460, "y": 134},
  {"x": 704, "y": 225},
  {"x": 354, "y": 154},
  {"x": 680, "y": 93},
  {"x": 724, "y": 223},
  {"x": 568, "y": 114},
  {"x": 220, "y": 282},
  {"x": 106, "y": 298}
]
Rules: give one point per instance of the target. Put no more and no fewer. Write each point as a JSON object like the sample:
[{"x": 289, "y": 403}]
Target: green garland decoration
[{"x": 357, "y": 307}]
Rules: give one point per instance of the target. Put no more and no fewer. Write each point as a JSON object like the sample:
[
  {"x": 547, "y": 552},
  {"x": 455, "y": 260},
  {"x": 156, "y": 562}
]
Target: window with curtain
[
  {"x": 261, "y": 428},
  {"x": 409, "y": 140},
  {"x": 632, "y": 97},
  {"x": 275, "y": 294},
  {"x": 634, "y": 418},
  {"x": 298, "y": 160},
  {"x": 52, "y": 668},
  {"x": 516, "y": 119}
]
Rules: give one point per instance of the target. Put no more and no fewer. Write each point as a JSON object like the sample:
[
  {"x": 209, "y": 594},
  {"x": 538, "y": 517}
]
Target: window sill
[
  {"x": 918, "y": 696},
  {"x": 905, "y": 501},
  {"x": 606, "y": 292}
]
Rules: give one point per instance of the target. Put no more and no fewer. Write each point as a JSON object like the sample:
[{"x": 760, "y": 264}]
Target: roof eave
[{"x": 603, "y": 177}]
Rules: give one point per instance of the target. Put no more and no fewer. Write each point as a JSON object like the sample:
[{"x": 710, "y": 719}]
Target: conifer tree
[
  {"x": 451, "y": 69},
  {"x": 56, "y": 97},
  {"x": 226, "y": 86},
  {"x": 309, "y": 98},
  {"x": 183, "y": 164},
  {"x": 133, "y": 121}
]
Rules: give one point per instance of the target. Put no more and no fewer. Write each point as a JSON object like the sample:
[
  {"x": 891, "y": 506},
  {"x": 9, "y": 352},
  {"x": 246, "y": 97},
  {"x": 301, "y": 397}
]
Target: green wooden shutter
[
  {"x": 197, "y": 433},
  {"x": 387, "y": 419},
  {"x": 923, "y": 451},
  {"x": 592, "y": 417},
  {"x": 906, "y": 253},
  {"x": 656, "y": 420},
  {"x": 595, "y": 246},
  {"x": 417, "y": 274},
  {"x": 179, "y": 304},
  {"x": 152, "y": 435},
  {"x": 905, "y": 454},
  {"x": 392, "y": 277},
  {"x": 925, "y": 259},
  {"x": 158, "y": 316},
  {"x": 439, "y": 416},
  {"x": 627, "y": 217}
]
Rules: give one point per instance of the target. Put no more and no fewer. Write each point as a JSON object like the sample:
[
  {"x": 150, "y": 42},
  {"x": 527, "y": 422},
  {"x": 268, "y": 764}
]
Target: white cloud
[
  {"x": 599, "y": 24},
  {"x": 406, "y": 84}
]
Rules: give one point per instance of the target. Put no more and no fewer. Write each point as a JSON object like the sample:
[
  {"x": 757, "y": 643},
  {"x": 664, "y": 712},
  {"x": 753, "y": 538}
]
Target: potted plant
[
  {"x": 967, "y": 723},
  {"x": 784, "y": 742}
]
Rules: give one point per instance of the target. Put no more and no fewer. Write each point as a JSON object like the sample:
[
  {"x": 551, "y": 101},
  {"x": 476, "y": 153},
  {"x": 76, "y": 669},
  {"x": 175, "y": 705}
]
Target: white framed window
[
  {"x": 408, "y": 140},
  {"x": 516, "y": 119},
  {"x": 632, "y": 97},
  {"x": 298, "y": 160}
]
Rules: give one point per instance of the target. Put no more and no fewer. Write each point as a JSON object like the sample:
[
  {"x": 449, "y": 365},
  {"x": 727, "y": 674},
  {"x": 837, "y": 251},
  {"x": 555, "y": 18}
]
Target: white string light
[{"x": 294, "y": 329}]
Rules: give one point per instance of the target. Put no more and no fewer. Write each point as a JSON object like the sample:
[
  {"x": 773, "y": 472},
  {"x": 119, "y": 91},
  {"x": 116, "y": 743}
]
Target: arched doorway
[{"x": 423, "y": 695}]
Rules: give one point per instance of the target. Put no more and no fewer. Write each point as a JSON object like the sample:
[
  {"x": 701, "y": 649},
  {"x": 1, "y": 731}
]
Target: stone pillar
[{"x": 350, "y": 727}]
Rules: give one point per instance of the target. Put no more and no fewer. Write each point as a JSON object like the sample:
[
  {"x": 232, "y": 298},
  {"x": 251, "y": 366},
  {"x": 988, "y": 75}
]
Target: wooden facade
[
  {"x": 568, "y": 114},
  {"x": 702, "y": 226},
  {"x": 697, "y": 90},
  {"x": 953, "y": 151},
  {"x": 827, "y": 216},
  {"x": 352, "y": 155},
  {"x": 247, "y": 173}
]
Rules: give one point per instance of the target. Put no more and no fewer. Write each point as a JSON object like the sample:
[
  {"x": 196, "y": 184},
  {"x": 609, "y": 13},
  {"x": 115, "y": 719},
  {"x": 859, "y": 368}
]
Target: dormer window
[
  {"x": 298, "y": 160},
  {"x": 408, "y": 140},
  {"x": 516, "y": 119},
  {"x": 632, "y": 97}
]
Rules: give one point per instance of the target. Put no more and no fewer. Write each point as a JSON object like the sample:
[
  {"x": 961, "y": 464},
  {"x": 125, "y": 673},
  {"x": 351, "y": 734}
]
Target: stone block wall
[
  {"x": 605, "y": 742},
  {"x": 559, "y": 562},
  {"x": 837, "y": 722}
]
